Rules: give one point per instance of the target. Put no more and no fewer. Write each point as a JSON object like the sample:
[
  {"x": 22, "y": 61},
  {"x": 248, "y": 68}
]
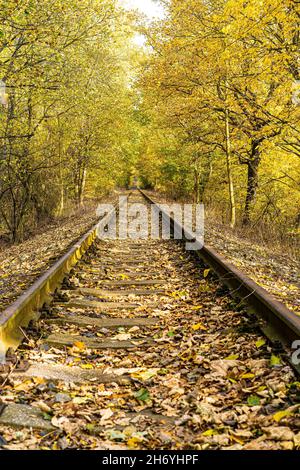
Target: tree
[
  {"x": 66, "y": 71},
  {"x": 222, "y": 72}
]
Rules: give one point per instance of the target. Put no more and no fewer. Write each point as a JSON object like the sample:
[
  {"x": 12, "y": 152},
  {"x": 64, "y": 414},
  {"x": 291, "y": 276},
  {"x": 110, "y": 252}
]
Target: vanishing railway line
[{"x": 137, "y": 344}]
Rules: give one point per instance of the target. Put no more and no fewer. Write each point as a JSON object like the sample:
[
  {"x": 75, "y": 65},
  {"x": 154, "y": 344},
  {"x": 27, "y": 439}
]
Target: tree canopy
[
  {"x": 66, "y": 111},
  {"x": 208, "y": 110},
  {"x": 220, "y": 89}
]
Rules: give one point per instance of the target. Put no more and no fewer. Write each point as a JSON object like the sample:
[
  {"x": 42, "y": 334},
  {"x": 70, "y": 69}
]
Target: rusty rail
[
  {"x": 279, "y": 323},
  {"x": 27, "y": 307}
]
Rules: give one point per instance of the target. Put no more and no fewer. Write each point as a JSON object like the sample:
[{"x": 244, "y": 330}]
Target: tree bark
[
  {"x": 81, "y": 188},
  {"x": 229, "y": 172},
  {"x": 196, "y": 186},
  {"x": 61, "y": 177},
  {"x": 252, "y": 181}
]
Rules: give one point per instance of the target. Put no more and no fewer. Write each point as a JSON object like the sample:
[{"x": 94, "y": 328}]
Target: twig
[{"x": 9, "y": 373}]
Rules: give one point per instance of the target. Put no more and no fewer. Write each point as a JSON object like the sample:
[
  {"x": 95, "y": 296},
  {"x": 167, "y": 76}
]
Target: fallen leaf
[
  {"x": 199, "y": 326},
  {"x": 115, "y": 435},
  {"x": 122, "y": 337},
  {"x": 142, "y": 395},
  {"x": 210, "y": 432},
  {"x": 87, "y": 366},
  {"x": 80, "y": 345},
  {"x": 260, "y": 343},
  {"x": 247, "y": 376},
  {"x": 253, "y": 400},
  {"x": 133, "y": 442},
  {"x": 80, "y": 400},
  {"x": 43, "y": 406},
  {"x": 281, "y": 414},
  {"x": 144, "y": 374},
  {"x": 106, "y": 414},
  {"x": 275, "y": 361},
  {"x": 233, "y": 357},
  {"x": 24, "y": 386}
]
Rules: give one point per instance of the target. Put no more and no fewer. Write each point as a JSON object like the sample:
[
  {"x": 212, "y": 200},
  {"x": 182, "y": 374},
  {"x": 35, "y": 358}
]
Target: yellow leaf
[
  {"x": 247, "y": 376},
  {"x": 39, "y": 380},
  {"x": 81, "y": 400},
  {"x": 206, "y": 273},
  {"x": 79, "y": 345},
  {"x": 23, "y": 387},
  {"x": 233, "y": 357},
  {"x": 144, "y": 374},
  {"x": 236, "y": 439},
  {"x": 178, "y": 294},
  {"x": 275, "y": 361},
  {"x": 260, "y": 343},
  {"x": 232, "y": 380},
  {"x": 210, "y": 432},
  {"x": 133, "y": 442},
  {"x": 87, "y": 366},
  {"x": 199, "y": 326},
  {"x": 204, "y": 287},
  {"x": 281, "y": 414}
]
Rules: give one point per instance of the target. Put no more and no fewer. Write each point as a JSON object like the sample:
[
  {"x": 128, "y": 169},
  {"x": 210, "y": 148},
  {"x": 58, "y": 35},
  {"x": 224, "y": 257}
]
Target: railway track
[{"x": 142, "y": 347}]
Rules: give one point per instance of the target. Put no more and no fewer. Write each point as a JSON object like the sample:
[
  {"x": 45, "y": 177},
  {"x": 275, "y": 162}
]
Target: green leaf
[
  {"x": 116, "y": 435},
  {"x": 233, "y": 357},
  {"x": 163, "y": 372},
  {"x": 253, "y": 400},
  {"x": 260, "y": 343},
  {"x": 206, "y": 273},
  {"x": 90, "y": 427},
  {"x": 295, "y": 384},
  {"x": 171, "y": 334},
  {"x": 232, "y": 380},
  {"x": 275, "y": 361},
  {"x": 142, "y": 394}
]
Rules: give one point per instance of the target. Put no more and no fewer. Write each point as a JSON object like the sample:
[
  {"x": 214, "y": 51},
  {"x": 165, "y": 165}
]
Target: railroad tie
[{"x": 138, "y": 348}]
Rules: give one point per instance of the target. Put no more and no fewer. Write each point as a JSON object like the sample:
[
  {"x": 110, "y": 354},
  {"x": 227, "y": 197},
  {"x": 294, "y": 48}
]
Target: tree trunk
[
  {"x": 229, "y": 172},
  {"x": 62, "y": 199},
  {"x": 81, "y": 188},
  {"x": 196, "y": 186},
  {"x": 61, "y": 176},
  {"x": 205, "y": 179},
  {"x": 252, "y": 181}
]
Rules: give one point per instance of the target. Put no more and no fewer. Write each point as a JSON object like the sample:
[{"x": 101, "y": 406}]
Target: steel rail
[
  {"x": 27, "y": 307},
  {"x": 279, "y": 323}
]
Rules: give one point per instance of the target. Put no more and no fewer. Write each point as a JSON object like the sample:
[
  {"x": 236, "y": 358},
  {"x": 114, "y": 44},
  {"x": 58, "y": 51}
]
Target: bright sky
[
  {"x": 153, "y": 10},
  {"x": 149, "y": 7}
]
